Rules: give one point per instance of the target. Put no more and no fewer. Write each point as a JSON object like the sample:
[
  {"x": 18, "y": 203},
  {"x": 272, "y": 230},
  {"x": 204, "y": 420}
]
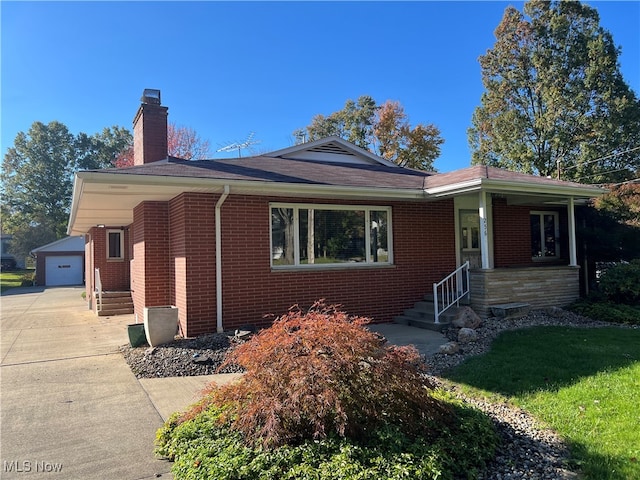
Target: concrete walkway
[{"x": 69, "y": 405}]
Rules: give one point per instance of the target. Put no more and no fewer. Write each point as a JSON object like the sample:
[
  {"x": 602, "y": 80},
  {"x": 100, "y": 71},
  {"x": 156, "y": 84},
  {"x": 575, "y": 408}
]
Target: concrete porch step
[
  {"x": 116, "y": 303},
  {"x": 422, "y": 316},
  {"x": 111, "y": 312},
  {"x": 421, "y": 323}
]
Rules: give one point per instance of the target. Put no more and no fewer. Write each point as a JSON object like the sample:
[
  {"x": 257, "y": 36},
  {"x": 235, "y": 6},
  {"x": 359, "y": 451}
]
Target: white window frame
[
  {"x": 556, "y": 217},
  {"x": 368, "y": 263},
  {"x": 121, "y": 233}
]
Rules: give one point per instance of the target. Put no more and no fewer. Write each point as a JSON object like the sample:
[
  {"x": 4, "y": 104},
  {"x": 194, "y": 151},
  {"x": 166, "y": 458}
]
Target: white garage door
[{"x": 65, "y": 270}]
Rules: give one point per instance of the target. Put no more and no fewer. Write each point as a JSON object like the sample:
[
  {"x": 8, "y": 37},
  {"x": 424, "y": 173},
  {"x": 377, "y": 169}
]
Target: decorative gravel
[
  {"x": 528, "y": 450},
  {"x": 183, "y": 357}
]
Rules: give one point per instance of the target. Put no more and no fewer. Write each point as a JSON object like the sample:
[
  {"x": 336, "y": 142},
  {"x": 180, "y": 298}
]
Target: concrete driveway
[{"x": 69, "y": 405}]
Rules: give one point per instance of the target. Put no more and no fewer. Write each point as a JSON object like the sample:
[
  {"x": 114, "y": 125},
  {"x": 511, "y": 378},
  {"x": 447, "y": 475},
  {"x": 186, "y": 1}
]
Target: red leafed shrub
[{"x": 321, "y": 372}]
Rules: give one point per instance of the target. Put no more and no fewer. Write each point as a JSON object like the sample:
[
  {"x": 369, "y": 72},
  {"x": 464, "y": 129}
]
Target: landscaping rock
[
  {"x": 449, "y": 348},
  {"x": 183, "y": 357},
  {"x": 467, "y": 335},
  {"x": 466, "y": 318}
]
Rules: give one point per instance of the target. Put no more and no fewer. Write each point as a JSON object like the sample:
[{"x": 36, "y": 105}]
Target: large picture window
[
  {"x": 306, "y": 235},
  {"x": 545, "y": 233}
]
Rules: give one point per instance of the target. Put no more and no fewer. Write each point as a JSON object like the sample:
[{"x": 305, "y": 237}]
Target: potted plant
[
  {"x": 160, "y": 324},
  {"x": 137, "y": 336}
]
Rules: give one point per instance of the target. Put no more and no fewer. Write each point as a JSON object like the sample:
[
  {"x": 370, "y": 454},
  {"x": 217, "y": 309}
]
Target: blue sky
[{"x": 229, "y": 68}]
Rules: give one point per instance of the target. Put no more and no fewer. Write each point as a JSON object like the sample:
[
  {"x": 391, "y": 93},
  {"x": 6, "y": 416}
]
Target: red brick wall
[
  {"x": 193, "y": 256},
  {"x": 151, "y": 279},
  {"x": 423, "y": 253},
  {"x": 174, "y": 263},
  {"x": 113, "y": 273},
  {"x": 511, "y": 234}
]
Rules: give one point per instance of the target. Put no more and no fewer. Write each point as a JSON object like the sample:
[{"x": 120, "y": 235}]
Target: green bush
[
  {"x": 28, "y": 278},
  {"x": 320, "y": 372},
  {"x": 621, "y": 283},
  {"x": 324, "y": 398},
  {"x": 207, "y": 446},
  {"x": 596, "y": 308}
]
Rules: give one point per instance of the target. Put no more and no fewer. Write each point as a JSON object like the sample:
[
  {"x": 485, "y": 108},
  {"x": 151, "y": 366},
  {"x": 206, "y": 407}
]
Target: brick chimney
[{"x": 150, "y": 129}]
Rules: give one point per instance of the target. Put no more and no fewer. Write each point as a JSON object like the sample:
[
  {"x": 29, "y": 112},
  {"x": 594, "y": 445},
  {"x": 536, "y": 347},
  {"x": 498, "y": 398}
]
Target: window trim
[
  {"x": 121, "y": 233},
  {"x": 368, "y": 263},
  {"x": 556, "y": 215}
]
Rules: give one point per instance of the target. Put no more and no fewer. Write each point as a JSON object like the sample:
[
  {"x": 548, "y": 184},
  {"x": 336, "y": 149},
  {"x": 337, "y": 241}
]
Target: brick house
[{"x": 228, "y": 241}]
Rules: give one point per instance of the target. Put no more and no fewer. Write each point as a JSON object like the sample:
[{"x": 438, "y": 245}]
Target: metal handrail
[
  {"x": 98, "y": 289},
  {"x": 450, "y": 290}
]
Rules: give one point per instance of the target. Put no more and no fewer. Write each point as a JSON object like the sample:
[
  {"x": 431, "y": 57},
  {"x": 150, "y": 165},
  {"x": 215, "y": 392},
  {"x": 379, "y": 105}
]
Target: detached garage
[{"x": 60, "y": 263}]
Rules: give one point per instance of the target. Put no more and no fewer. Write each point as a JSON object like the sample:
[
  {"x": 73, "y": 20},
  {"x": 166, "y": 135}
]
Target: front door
[{"x": 470, "y": 238}]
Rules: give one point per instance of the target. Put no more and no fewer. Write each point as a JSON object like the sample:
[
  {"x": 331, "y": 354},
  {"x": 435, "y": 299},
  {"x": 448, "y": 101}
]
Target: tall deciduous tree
[
  {"x": 622, "y": 202},
  {"x": 415, "y": 147},
  {"x": 555, "y": 100},
  {"x": 182, "y": 142},
  {"x": 37, "y": 179},
  {"x": 383, "y": 130}
]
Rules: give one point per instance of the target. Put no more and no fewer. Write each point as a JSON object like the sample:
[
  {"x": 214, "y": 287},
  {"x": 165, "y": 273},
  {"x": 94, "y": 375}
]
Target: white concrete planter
[{"x": 160, "y": 324}]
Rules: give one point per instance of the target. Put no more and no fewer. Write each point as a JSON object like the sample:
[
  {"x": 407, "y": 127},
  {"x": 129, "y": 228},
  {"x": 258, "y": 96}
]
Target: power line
[
  {"x": 633, "y": 180},
  {"x": 615, "y": 154},
  {"x": 600, "y": 173}
]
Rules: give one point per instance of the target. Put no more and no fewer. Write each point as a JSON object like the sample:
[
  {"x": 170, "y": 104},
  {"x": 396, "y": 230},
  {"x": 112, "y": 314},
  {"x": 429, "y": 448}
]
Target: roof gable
[
  {"x": 331, "y": 149},
  {"x": 66, "y": 244}
]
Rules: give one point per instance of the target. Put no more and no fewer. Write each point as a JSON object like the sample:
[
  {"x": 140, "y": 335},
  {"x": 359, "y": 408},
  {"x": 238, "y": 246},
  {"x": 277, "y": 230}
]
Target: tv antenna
[{"x": 239, "y": 145}]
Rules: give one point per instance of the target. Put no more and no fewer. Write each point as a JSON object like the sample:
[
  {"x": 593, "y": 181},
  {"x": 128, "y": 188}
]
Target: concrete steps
[
  {"x": 116, "y": 303},
  {"x": 422, "y": 315}
]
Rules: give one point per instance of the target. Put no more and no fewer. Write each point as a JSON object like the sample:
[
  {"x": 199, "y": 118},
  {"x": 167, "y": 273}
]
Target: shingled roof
[
  {"x": 329, "y": 169},
  {"x": 281, "y": 170}
]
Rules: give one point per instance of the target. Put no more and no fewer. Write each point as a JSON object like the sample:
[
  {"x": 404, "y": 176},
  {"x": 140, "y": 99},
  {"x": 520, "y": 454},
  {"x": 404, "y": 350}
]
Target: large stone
[
  {"x": 449, "y": 348},
  {"x": 466, "y": 318},
  {"x": 508, "y": 311},
  {"x": 467, "y": 335}
]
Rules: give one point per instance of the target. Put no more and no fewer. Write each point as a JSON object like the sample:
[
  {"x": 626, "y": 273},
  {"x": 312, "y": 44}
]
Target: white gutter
[
  {"x": 510, "y": 186},
  {"x": 221, "y": 200},
  {"x": 253, "y": 186}
]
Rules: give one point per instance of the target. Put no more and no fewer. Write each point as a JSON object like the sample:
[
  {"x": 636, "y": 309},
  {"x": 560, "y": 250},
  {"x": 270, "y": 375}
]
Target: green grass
[
  {"x": 584, "y": 383},
  {"x": 14, "y": 279}
]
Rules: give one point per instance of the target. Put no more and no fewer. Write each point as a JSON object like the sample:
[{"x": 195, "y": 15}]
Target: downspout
[{"x": 221, "y": 200}]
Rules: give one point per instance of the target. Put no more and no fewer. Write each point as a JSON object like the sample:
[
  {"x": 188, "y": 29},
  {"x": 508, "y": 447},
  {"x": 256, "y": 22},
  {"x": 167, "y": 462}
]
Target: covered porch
[{"x": 519, "y": 239}]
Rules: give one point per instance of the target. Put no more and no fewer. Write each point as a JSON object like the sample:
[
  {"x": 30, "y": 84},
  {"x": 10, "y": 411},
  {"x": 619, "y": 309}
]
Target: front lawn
[
  {"x": 15, "y": 278},
  {"x": 584, "y": 383}
]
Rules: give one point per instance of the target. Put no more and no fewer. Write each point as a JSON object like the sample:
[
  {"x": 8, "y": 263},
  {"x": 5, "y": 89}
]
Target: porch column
[
  {"x": 573, "y": 259},
  {"x": 484, "y": 230}
]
